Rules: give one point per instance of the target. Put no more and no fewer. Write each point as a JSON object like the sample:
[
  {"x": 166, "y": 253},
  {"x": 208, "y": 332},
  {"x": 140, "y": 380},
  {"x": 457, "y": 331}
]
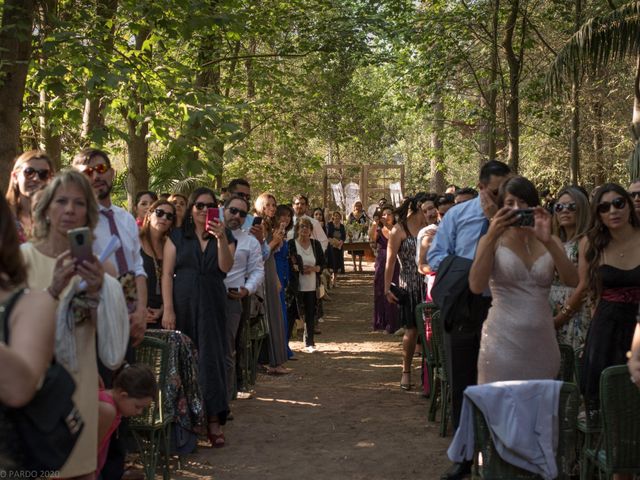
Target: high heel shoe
[
  {"x": 406, "y": 386},
  {"x": 216, "y": 439}
]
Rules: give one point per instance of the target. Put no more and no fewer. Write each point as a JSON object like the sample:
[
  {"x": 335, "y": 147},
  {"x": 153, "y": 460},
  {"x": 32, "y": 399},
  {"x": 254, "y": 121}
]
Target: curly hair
[{"x": 599, "y": 235}]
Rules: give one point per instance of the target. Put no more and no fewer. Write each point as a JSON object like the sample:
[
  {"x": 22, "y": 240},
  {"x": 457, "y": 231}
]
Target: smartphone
[
  {"x": 80, "y": 244},
  {"x": 256, "y": 221},
  {"x": 525, "y": 218},
  {"x": 213, "y": 213},
  {"x": 232, "y": 289}
]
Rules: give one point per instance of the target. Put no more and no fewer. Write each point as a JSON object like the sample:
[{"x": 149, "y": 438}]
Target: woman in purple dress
[{"x": 385, "y": 314}]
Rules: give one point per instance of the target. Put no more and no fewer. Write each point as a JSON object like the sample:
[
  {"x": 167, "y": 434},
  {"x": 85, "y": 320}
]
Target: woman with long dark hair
[
  {"x": 402, "y": 247},
  {"x": 284, "y": 218},
  {"x": 142, "y": 203},
  {"x": 609, "y": 265},
  {"x": 196, "y": 260},
  {"x": 156, "y": 226},
  {"x": 385, "y": 314}
]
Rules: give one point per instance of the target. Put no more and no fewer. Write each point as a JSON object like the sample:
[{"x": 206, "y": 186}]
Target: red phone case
[{"x": 213, "y": 214}]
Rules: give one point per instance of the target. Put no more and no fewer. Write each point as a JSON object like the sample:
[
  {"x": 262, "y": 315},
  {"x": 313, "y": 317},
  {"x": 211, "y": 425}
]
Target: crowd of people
[{"x": 536, "y": 277}]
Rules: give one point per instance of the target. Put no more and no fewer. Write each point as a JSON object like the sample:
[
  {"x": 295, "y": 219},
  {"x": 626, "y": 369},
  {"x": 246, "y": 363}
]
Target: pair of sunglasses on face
[
  {"x": 634, "y": 195},
  {"x": 161, "y": 213},
  {"x": 43, "y": 174},
  {"x": 570, "y": 207},
  {"x": 202, "y": 206},
  {"x": 618, "y": 203},
  {"x": 237, "y": 211},
  {"x": 101, "y": 168}
]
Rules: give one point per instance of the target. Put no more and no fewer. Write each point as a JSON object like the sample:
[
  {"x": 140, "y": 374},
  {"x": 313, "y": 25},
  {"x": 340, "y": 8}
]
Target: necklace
[{"x": 526, "y": 245}]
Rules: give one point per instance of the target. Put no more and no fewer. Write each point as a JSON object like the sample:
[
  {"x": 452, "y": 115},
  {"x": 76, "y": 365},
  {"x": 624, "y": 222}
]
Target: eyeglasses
[
  {"x": 634, "y": 194},
  {"x": 43, "y": 174},
  {"x": 161, "y": 213},
  {"x": 201, "y": 206},
  {"x": 618, "y": 203},
  {"x": 237, "y": 211},
  {"x": 101, "y": 168},
  {"x": 560, "y": 207}
]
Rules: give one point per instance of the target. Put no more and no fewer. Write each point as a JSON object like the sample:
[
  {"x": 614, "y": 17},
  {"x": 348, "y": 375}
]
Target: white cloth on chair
[{"x": 522, "y": 417}]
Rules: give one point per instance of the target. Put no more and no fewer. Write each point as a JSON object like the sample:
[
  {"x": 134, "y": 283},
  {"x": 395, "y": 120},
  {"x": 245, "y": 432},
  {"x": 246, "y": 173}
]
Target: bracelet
[
  {"x": 567, "y": 311},
  {"x": 50, "y": 292}
]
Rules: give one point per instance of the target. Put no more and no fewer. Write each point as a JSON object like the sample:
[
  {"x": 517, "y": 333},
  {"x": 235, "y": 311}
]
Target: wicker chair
[
  {"x": 618, "y": 450},
  {"x": 424, "y": 311},
  {"x": 442, "y": 378},
  {"x": 152, "y": 429},
  {"x": 495, "y": 468}
]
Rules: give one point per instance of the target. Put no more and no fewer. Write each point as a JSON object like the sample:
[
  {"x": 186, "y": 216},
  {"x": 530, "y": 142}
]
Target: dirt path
[{"x": 339, "y": 415}]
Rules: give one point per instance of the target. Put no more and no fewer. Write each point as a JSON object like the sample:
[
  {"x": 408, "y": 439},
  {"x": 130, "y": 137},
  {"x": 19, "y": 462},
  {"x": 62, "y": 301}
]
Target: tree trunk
[
  {"x": 437, "y": 151},
  {"x": 92, "y": 116},
  {"x": 575, "y": 110},
  {"x": 15, "y": 54},
  {"x": 137, "y": 143},
  {"x": 513, "y": 104},
  {"x": 598, "y": 145},
  {"x": 489, "y": 104},
  {"x": 251, "y": 87}
]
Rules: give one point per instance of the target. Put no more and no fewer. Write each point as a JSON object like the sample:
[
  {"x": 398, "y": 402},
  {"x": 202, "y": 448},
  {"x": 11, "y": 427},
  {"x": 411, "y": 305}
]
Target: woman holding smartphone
[
  {"x": 518, "y": 262},
  {"x": 196, "y": 260},
  {"x": 155, "y": 228},
  {"x": 284, "y": 216},
  {"x": 274, "y": 235}
]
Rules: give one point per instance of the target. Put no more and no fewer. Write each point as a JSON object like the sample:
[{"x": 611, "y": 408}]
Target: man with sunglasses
[
  {"x": 113, "y": 220},
  {"x": 244, "y": 278},
  {"x": 634, "y": 191},
  {"x": 463, "y": 313}
]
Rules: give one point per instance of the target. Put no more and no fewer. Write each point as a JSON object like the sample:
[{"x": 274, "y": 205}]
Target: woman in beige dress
[{"x": 68, "y": 202}]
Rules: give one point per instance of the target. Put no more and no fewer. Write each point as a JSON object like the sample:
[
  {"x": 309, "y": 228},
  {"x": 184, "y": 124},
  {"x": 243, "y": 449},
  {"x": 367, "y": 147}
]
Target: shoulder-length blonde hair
[
  {"x": 13, "y": 190},
  {"x": 66, "y": 177}
]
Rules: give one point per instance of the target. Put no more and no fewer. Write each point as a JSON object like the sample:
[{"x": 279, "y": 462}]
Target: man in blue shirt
[{"x": 458, "y": 235}]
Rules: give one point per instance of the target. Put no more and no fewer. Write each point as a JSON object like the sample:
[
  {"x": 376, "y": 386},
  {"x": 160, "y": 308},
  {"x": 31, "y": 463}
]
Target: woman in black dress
[
  {"x": 156, "y": 225},
  {"x": 609, "y": 263},
  {"x": 197, "y": 258}
]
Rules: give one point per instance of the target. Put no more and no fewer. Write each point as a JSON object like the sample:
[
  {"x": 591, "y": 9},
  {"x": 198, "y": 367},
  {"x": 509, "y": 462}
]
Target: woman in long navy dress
[
  {"x": 385, "y": 314},
  {"x": 197, "y": 258}
]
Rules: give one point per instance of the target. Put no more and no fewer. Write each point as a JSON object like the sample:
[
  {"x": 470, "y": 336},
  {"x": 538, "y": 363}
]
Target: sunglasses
[
  {"x": 560, "y": 207},
  {"x": 246, "y": 196},
  {"x": 101, "y": 168},
  {"x": 237, "y": 211},
  {"x": 634, "y": 194},
  {"x": 43, "y": 174},
  {"x": 202, "y": 206},
  {"x": 618, "y": 203},
  {"x": 161, "y": 213}
]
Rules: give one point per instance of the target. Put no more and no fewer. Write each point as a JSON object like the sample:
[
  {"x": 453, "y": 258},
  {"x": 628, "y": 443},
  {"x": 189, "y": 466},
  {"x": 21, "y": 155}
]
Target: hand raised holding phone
[{"x": 214, "y": 226}]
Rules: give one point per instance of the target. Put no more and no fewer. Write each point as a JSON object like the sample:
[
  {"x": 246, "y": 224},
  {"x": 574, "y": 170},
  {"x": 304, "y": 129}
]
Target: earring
[{"x": 47, "y": 220}]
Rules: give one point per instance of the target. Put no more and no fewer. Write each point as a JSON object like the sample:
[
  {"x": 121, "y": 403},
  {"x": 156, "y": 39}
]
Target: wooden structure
[{"x": 374, "y": 181}]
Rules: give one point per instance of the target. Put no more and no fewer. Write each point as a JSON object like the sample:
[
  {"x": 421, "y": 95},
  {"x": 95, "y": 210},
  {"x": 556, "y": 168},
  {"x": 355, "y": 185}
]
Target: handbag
[
  {"x": 400, "y": 293},
  {"x": 49, "y": 425},
  {"x": 320, "y": 291}
]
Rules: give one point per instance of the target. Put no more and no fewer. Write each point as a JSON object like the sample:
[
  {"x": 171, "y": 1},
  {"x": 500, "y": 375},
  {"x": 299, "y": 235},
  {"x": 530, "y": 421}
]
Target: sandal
[
  {"x": 216, "y": 439},
  {"x": 406, "y": 386}
]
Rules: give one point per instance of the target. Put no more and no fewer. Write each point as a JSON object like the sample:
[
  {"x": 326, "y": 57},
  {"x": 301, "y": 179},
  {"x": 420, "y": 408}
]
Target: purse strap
[{"x": 5, "y": 311}]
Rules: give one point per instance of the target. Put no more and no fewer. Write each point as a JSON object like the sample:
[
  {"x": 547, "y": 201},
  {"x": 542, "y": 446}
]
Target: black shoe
[{"x": 457, "y": 471}]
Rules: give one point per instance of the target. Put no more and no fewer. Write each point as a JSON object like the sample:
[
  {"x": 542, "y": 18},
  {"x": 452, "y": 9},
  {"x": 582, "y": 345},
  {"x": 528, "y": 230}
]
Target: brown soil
[{"x": 339, "y": 415}]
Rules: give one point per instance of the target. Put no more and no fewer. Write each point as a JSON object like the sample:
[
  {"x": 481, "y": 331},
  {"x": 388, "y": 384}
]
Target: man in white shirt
[
  {"x": 300, "y": 206},
  {"x": 114, "y": 220},
  {"x": 246, "y": 275}
]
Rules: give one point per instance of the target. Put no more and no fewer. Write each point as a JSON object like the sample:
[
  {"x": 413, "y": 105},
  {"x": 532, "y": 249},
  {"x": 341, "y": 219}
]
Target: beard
[{"x": 104, "y": 193}]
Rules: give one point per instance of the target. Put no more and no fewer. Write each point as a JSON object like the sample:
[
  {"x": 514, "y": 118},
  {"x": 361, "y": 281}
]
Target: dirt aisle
[{"x": 339, "y": 415}]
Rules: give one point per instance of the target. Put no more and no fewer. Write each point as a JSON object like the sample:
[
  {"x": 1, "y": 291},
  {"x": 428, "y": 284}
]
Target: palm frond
[{"x": 599, "y": 41}]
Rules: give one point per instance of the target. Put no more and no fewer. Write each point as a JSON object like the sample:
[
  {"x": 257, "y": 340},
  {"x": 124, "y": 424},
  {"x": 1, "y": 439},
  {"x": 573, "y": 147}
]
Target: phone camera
[{"x": 80, "y": 239}]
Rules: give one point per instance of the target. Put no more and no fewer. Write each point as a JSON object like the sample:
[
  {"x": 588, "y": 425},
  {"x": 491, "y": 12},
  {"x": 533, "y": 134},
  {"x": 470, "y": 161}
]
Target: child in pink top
[{"x": 134, "y": 388}]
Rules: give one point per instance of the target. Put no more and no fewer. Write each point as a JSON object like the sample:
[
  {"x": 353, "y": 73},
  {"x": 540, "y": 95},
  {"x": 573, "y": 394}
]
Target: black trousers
[
  {"x": 462, "y": 347},
  {"x": 307, "y": 304}
]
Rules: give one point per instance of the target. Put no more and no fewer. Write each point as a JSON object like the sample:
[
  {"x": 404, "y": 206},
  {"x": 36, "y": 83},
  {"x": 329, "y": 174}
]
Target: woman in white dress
[{"x": 517, "y": 263}]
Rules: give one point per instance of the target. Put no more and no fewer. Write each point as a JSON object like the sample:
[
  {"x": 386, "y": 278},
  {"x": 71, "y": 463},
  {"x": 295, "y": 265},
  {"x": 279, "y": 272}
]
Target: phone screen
[{"x": 257, "y": 221}]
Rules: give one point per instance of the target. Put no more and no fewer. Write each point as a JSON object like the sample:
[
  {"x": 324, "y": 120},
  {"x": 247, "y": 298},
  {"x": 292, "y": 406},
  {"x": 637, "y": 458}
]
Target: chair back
[
  {"x": 425, "y": 311},
  {"x": 437, "y": 337},
  {"x": 154, "y": 353},
  {"x": 566, "y": 363},
  {"x": 620, "y": 415},
  {"x": 495, "y": 468},
  {"x": 578, "y": 360}
]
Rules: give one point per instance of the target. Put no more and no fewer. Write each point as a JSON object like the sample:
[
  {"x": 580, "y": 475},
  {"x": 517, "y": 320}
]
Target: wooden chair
[
  {"x": 152, "y": 429},
  {"x": 618, "y": 449},
  {"x": 441, "y": 377},
  {"x": 493, "y": 467},
  {"x": 424, "y": 312}
]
